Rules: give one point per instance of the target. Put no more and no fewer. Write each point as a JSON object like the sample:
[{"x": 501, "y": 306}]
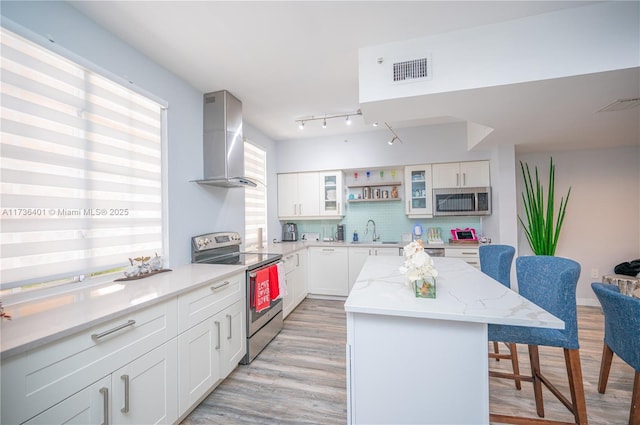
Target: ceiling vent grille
[{"x": 411, "y": 70}]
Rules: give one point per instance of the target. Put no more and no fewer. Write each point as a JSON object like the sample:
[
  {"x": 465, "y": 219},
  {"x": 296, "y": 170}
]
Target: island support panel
[{"x": 416, "y": 371}]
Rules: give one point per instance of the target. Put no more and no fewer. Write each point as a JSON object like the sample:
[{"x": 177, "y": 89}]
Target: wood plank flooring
[{"x": 300, "y": 377}]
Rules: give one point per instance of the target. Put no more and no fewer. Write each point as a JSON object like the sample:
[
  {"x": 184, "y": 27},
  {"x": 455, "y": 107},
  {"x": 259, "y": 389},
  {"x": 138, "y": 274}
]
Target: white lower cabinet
[
  {"x": 88, "y": 406},
  {"x": 470, "y": 255},
  {"x": 214, "y": 338},
  {"x": 358, "y": 256},
  {"x": 233, "y": 340},
  {"x": 329, "y": 271},
  {"x": 150, "y": 366},
  {"x": 79, "y": 379},
  {"x": 295, "y": 266},
  {"x": 197, "y": 363},
  {"x": 144, "y": 391}
]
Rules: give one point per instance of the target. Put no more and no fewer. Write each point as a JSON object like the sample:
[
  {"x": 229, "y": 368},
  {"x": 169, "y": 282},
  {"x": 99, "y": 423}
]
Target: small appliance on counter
[
  {"x": 289, "y": 232},
  {"x": 466, "y": 235},
  {"x": 340, "y": 233}
]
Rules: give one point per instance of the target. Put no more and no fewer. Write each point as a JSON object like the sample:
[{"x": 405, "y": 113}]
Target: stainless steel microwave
[{"x": 462, "y": 201}]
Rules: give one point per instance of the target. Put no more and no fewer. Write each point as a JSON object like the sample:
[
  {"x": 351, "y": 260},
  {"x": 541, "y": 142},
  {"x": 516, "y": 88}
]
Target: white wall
[
  {"x": 421, "y": 145},
  {"x": 475, "y": 57},
  {"x": 602, "y": 224}
]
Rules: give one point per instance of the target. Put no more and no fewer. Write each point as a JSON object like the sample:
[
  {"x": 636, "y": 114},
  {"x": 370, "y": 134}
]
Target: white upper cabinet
[
  {"x": 331, "y": 193},
  {"x": 298, "y": 195},
  {"x": 418, "y": 191},
  {"x": 310, "y": 195},
  {"x": 461, "y": 174}
]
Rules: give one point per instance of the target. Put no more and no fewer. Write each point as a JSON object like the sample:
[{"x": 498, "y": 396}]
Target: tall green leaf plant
[{"x": 542, "y": 227}]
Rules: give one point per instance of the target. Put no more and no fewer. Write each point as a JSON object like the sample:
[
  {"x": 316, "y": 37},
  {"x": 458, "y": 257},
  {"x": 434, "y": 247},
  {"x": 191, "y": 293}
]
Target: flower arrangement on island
[{"x": 418, "y": 267}]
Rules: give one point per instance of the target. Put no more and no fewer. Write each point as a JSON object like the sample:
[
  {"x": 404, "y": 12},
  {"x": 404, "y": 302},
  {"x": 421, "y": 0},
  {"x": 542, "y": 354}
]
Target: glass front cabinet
[
  {"x": 419, "y": 191},
  {"x": 331, "y": 193}
]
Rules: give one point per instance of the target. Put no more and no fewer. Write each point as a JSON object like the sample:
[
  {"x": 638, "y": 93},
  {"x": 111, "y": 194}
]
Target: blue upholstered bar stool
[
  {"x": 495, "y": 261},
  {"x": 622, "y": 337},
  {"x": 549, "y": 282}
]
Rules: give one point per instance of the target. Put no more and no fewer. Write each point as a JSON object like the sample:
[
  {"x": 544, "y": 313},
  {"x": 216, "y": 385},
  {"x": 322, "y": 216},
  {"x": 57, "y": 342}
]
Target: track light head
[
  {"x": 375, "y": 124},
  {"x": 348, "y": 120},
  {"x": 301, "y": 125},
  {"x": 324, "y": 123}
]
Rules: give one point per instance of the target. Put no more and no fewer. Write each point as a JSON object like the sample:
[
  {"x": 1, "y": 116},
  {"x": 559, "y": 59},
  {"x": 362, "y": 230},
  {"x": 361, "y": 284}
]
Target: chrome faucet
[{"x": 375, "y": 237}]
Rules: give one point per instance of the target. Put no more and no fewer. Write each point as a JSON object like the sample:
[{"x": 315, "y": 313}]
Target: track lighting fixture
[
  {"x": 395, "y": 137},
  {"x": 301, "y": 122}
]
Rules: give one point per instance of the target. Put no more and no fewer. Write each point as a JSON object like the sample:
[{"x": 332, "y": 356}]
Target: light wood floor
[{"x": 300, "y": 377}]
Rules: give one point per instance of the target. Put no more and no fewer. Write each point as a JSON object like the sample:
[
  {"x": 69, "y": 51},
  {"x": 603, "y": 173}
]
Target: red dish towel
[
  {"x": 274, "y": 287},
  {"x": 261, "y": 290}
]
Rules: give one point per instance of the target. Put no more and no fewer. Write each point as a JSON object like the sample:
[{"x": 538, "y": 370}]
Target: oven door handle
[{"x": 220, "y": 286}]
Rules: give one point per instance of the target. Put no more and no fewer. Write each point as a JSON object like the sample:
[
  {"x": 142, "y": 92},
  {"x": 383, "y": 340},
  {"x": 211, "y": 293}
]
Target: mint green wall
[{"x": 391, "y": 221}]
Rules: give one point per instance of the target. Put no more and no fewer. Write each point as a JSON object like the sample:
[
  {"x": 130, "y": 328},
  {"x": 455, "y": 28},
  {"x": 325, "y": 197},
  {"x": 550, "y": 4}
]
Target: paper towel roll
[{"x": 260, "y": 246}]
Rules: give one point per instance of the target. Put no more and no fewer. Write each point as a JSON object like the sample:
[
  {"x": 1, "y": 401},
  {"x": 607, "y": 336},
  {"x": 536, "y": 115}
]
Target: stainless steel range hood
[{"x": 223, "y": 145}]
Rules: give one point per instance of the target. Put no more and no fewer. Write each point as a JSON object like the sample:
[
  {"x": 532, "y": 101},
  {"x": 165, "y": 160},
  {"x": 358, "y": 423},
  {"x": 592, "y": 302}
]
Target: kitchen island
[{"x": 418, "y": 360}]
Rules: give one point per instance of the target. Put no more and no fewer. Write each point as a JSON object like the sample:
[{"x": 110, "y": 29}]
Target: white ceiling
[{"x": 290, "y": 60}]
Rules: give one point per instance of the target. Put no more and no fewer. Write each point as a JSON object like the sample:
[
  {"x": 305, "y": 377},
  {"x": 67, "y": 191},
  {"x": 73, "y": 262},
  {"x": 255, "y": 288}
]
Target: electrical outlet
[{"x": 595, "y": 273}]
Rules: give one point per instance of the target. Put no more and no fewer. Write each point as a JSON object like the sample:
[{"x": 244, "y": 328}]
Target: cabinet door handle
[
  {"x": 457, "y": 179},
  {"x": 125, "y": 378},
  {"x": 112, "y": 330},
  {"x": 297, "y": 260},
  {"x": 220, "y": 285},
  {"x": 105, "y": 405},
  {"x": 230, "y": 326},
  {"x": 464, "y": 179},
  {"x": 218, "y": 329},
  {"x": 328, "y": 249}
]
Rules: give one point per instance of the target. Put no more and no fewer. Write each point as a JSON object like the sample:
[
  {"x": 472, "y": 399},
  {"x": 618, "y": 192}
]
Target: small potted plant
[{"x": 542, "y": 228}]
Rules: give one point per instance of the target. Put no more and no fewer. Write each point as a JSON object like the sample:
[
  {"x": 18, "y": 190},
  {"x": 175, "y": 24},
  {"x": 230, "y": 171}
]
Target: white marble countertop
[
  {"x": 463, "y": 293},
  {"x": 38, "y": 321}
]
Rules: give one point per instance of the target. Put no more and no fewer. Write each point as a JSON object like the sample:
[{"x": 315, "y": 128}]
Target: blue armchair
[
  {"x": 495, "y": 261},
  {"x": 550, "y": 282},
  {"x": 622, "y": 337}
]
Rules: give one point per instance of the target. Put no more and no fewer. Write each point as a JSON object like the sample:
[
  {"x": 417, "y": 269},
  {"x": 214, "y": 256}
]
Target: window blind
[
  {"x": 255, "y": 167},
  {"x": 80, "y": 168}
]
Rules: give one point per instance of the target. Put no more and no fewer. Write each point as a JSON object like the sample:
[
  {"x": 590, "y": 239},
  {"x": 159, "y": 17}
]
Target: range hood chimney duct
[{"x": 223, "y": 145}]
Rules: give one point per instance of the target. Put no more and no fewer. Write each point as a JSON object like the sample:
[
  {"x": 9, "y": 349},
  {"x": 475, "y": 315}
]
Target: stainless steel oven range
[{"x": 224, "y": 248}]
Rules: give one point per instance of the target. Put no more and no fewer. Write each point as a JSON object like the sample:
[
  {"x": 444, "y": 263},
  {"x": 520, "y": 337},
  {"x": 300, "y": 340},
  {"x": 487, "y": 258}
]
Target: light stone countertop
[
  {"x": 42, "y": 320},
  {"x": 463, "y": 293},
  {"x": 285, "y": 248}
]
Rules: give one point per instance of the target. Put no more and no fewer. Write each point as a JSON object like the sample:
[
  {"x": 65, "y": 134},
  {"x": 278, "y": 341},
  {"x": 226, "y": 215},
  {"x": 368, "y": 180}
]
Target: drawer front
[
  {"x": 209, "y": 299},
  {"x": 40, "y": 378},
  {"x": 290, "y": 262},
  {"x": 469, "y": 255}
]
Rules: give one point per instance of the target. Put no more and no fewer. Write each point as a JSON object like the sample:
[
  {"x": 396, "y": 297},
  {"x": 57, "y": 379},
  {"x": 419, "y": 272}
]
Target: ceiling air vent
[{"x": 408, "y": 71}]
